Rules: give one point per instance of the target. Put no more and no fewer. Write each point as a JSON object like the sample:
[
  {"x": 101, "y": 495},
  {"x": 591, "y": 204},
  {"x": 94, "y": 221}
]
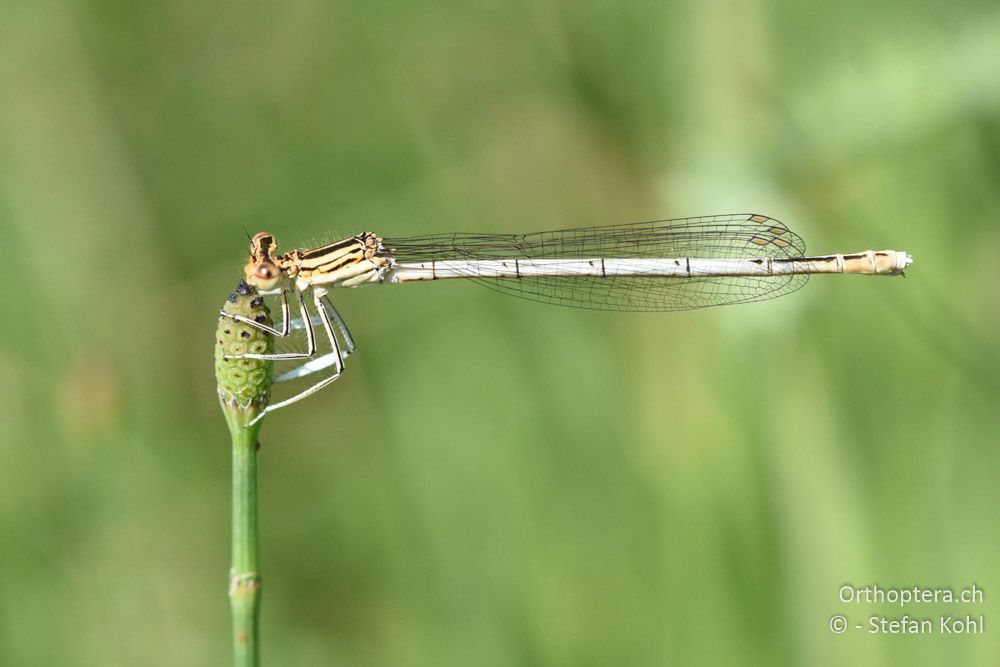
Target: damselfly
[{"x": 662, "y": 265}]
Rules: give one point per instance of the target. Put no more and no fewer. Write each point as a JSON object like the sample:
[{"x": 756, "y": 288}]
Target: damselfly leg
[
  {"x": 285, "y": 330},
  {"x": 349, "y": 346},
  {"x": 325, "y": 360},
  {"x": 348, "y": 339},
  {"x": 334, "y": 358},
  {"x": 263, "y": 326}
]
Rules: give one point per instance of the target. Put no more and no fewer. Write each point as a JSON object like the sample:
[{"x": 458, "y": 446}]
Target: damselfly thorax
[{"x": 662, "y": 265}]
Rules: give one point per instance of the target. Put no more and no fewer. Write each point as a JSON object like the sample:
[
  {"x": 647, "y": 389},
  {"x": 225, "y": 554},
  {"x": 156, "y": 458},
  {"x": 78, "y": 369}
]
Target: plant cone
[{"x": 244, "y": 385}]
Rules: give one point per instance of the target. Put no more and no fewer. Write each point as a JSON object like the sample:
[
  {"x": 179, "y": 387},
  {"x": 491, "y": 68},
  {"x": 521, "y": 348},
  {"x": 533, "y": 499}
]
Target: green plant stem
[
  {"x": 244, "y": 387},
  {"x": 245, "y": 581}
]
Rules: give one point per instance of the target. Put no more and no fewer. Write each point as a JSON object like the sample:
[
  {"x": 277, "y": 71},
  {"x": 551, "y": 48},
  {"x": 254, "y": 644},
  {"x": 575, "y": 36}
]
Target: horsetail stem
[{"x": 244, "y": 386}]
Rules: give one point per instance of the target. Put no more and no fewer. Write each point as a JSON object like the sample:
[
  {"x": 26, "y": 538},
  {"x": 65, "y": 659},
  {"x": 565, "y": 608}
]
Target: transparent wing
[{"x": 737, "y": 236}]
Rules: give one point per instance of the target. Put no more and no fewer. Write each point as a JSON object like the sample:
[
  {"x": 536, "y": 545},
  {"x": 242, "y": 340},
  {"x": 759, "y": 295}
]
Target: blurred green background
[{"x": 498, "y": 482}]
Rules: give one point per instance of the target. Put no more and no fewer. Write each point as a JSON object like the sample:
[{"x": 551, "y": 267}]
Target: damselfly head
[{"x": 261, "y": 271}]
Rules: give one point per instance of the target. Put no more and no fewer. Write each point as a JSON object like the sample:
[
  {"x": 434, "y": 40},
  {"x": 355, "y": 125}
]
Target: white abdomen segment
[{"x": 868, "y": 262}]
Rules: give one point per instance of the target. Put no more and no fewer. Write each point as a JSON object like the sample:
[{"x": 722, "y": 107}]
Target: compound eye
[{"x": 266, "y": 271}]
